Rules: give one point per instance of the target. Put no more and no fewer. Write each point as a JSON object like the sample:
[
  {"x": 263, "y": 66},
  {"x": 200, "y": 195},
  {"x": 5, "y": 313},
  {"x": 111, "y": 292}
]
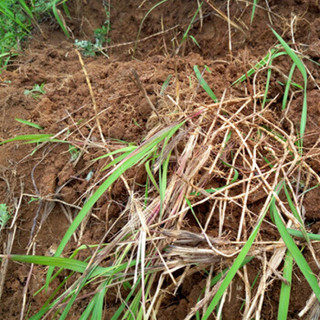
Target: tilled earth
[{"x": 125, "y": 114}]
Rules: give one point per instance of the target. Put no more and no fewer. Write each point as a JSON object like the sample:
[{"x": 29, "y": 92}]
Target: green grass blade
[
  {"x": 58, "y": 18},
  {"x": 165, "y": 85},
  {"x": 9, "y": 14},
  {"x": 151, "y": 176},
  {"x": 195, "y": 41},
  {"x": 163, "y": 181},
  {"x": 299, "y": 234},
  {"x": 141, "y": 24},
  {"x": 125, "y": 149},
  {"x": 98, "y": 303},
  {"x": 65, "y": 9},
  {"x": 70, "y": 264},
  {"x": 28, "y": 123},
  {"x": 26, "y": 9},
  {"x": 74, "y": 295},
  {"x": 258, "y": 66},
  {"x": 292, "y": 55},
  {"x": 29, "y": 137},
  {"x": 296, "y": 214},
  {"x": 295, "y": 252},
  {"x": 117, "y": 314},
  {"x": 267, "y": 85},
  {"x": 204, "y": 84},
  {"x": 237, "y": 262},
  {"x": 287, "y": 88},
  {"x": 233, "y": 270},
  {"x": 255, "y": 2},
  {"x": 303, "y": 71},
  {"x": 116, "y": 161},
  {"x": 213, "y": 190},
  {"x": 285, "y": 288},
  {"x": 185, "y": 35},
  {"x": 86, "y": 314}
]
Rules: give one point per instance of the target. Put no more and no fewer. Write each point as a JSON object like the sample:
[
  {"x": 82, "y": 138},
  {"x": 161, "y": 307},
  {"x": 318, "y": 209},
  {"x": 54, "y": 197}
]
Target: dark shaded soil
[{"x": 125, "y": 114}]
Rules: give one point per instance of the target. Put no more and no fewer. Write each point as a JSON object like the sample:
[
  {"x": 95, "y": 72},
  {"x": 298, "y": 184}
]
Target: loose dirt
[{"x": 58, "y": 185}]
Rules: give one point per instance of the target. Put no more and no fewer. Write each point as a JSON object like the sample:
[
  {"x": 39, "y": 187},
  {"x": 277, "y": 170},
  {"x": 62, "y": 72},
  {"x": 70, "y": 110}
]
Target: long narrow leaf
[
  {"x": 258, "y": 66},
  {"x": 303, "y": 71},
  {"x": 297, "y": 233},
  {"x": 70, "y": 264},
  {"x": 28, "y": 123},
  {"x": 234, "y": 269},
  {"x": 204, "y": 84},
  {"x": 254, "y": 5},
  {"x": 59, "y": 20},
  {"x": 296, "y": 253},
  {"x": 122, "y": 150},
  {"x": 286, "y": 90},
  {"x": 28, "y": 137},
  {"x": 285, "y": 287},
  {"x": 185, "y": 35}
]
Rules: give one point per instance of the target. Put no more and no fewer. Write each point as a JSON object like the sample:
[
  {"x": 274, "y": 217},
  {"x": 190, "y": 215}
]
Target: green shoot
[
  {"x": 59, "y": 17},
  {"x": 185, "y": 35},
  {"x": 165, "y": 85},
  {"x": 74, "y": 152},
  {"x": 142, "y": 21},
  {"x": 299, "y": 234},
  {"x": 204, "y": 84},
  {"x": 294, "y": 250},
  {"x": 4, "y": 215},
  {"x": 285, "y": 287},
  {"x": 254, "y": 5},
  {"x": 30, "y": 138},
  {"x": 194, "y": 40},
  {"x": 234, "y": 268},
  {"x": 287, "y": 88},
  {"x": 36, "y": 91},
  {"x": 303, "y": 72},
  {"x": 29, "y": 123},
  {"x": 258, "y": 66}
]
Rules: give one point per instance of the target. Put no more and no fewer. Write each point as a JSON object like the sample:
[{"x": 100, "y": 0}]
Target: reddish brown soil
[{"x": 126, "y": 115}]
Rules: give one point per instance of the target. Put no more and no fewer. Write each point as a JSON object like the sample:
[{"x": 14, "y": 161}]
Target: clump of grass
[
  {"x": 17, "y": 19},
  {"x": 14, "y": 26}
]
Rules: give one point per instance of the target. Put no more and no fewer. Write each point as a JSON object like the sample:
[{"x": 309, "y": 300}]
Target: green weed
[
  {"x": 89, "y": 49},
  {"x": 74, "y": 152},
  {"x": 4, "y": 215},
  {"x": 19, "y": 17},
  {"x": 36, "y": 91}
]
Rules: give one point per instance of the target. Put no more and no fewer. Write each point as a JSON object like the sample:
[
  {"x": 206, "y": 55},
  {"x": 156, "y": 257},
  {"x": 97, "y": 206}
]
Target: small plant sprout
[
  {"x": 74, "y": 152},
  {"x": 90, "y": 49},
  {"x": 36, "y": 91},
  {"x": 4, "y": 215}
]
